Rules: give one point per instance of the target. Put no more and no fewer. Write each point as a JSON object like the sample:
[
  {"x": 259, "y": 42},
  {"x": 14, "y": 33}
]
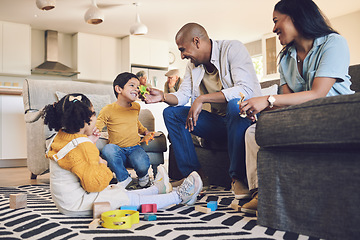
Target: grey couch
[
  {"x": 309, "y": 166},
  {"x": 38, "y": 93}
]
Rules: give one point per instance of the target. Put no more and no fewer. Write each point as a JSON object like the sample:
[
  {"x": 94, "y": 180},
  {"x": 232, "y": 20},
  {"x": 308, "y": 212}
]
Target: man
[
  {"x": 143, "y": 78},
  {"x": 217, "y": 73},
  {"x": 173, "y": 81}
]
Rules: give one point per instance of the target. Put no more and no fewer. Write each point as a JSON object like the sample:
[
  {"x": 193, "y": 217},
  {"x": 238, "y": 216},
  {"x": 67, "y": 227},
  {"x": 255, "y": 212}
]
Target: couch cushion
[{"x": 324, "y": 122}]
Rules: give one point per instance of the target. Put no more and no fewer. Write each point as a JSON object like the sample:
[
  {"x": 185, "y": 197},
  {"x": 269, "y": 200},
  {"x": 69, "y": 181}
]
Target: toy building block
[
  {"x": 150, "y": 217},
  {"x": 235, "y": 206},
  {"x": 128, "y": 207},
  {"x": 18, "y": 200},
  {"x": 145, "y": 208},
  {"x": 213, "y": 205},
  {"x": 202, "y": 209},
  {"x": 94, "y": 224},
  {"x": 99, "y": 208}
]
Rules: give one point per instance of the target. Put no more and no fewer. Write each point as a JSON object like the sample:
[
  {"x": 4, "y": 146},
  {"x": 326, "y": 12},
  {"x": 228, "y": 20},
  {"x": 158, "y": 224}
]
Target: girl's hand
[
  {"x": 102, "y": 161},
  {"x": 253, "y": 106},
  {"x": 95, "y": 135}
]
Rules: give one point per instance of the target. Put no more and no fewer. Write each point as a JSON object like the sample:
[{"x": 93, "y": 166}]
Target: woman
[{"x": 313, "y": 64}]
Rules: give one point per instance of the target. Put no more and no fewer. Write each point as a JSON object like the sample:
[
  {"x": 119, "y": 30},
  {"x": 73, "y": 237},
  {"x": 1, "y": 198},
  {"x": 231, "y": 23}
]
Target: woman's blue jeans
[
  {"x": 119, "y": 158},
  {"x": 210, "y": 126}
]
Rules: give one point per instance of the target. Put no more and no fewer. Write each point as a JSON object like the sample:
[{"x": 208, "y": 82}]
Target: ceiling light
[
  {"x": 138, "y": 28},
  {"x": 93, "y": 15},
  {"x": 45, "y": 4}
]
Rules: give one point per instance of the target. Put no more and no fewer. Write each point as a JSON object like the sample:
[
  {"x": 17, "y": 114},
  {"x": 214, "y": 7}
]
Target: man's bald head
[{"x": 191, "y": 30}]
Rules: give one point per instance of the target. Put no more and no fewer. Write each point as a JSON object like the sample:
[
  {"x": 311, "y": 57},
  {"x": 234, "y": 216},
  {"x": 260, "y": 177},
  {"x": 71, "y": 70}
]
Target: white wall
[{"x": 348, "y": 27}]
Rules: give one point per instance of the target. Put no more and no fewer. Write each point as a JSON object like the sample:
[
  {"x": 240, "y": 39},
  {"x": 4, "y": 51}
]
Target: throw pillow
[
  {"x": 98, "y": 101},
  {"x": 272, "y": 90}
]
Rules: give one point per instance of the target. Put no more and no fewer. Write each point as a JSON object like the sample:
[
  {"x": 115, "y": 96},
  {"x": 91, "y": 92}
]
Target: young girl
[
  {"x": 79, "y": 177},
  {"x": 122, "y": 121}
]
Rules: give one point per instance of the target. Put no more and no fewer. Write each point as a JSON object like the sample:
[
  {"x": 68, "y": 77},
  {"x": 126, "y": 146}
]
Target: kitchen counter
[{"x": 10, "y": 91}]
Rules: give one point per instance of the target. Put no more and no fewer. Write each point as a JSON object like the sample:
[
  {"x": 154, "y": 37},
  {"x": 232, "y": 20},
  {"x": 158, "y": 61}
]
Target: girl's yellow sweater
[{"x": 82, "y": 161}]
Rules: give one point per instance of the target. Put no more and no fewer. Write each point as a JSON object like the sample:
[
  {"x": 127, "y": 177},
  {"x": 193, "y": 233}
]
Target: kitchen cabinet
[
  {"x": 13, "y": 150},
  {"x": 15, "y": 49},
  {"x": 271, "y": 48},
  {"x": 96, "y": 57},
  {"x": 144, "y": 52}
]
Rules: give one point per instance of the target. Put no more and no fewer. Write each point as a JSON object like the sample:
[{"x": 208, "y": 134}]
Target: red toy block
[{"x": 145, "y": 208}]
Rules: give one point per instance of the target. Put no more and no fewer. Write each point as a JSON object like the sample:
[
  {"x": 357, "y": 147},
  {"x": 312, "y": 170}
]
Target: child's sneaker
[
  {"x": 190, "y": 188},
  {"x": 144, "y": 181},
  {"x": 162, "y": 180}
]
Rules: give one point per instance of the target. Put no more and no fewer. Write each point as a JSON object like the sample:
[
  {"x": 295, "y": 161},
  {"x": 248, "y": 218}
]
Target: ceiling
[{"x": 224, "y": 19}]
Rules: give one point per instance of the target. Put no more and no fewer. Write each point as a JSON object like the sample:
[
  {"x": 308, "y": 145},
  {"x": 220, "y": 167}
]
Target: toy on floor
[
  {"x": 99, "y": 208},
  {"x": 119, "y": 219},
  {"x": 18, "y": 200},
  {"x": 202, "y": 209},
  {"x": 148, "y": 137},
  {"x": 128, "y": 207},
  {"x": 143, "y": 90},
  {"x": 145, "y": 208},
  {"x": 213, "y": 205},
  {"x": 150, "y": 217},
  {"x": 234, "y": 205}
]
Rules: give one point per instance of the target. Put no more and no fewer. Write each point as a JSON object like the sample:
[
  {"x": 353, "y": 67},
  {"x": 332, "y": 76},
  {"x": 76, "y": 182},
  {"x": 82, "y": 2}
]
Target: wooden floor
[{"x": 11, "y": 177}]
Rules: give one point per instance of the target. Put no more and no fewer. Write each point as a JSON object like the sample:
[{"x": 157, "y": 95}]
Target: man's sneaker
[
  {"x": 240, "y": 190},
  {"x": 190, "y": 188},
  {"x": 162, "y": 181},
  {"x": 125, "y": 183},
  {"x": 144, "y": 181},
  {"x": 251, "y": 207}
]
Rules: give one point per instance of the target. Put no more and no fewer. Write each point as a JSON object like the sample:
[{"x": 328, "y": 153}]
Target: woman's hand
[
  {"x": 95, "y": 135},
  {"x": 253, "y": 106},
  {"x": 193, "y": 114}
]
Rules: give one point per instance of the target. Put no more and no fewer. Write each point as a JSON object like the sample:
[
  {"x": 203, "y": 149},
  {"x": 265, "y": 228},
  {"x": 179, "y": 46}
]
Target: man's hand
[
  {"x": 152, "y": 96},
  {"x": 193, "y": 114}
]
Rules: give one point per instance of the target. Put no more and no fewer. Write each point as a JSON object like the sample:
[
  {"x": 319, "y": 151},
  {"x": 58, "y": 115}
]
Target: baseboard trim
[{"x": 9, "y": 163}]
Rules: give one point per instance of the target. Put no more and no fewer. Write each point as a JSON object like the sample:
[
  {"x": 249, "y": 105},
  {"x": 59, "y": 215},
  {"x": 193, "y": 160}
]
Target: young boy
[{"x": 124, "y": 127}]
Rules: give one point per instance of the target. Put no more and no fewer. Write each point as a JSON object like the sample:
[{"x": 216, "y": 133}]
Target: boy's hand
[{"x": 148, "y": 137}]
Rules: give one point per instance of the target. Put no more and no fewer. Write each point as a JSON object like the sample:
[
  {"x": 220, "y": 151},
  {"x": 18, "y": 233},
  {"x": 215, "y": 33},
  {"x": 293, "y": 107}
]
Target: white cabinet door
[
  {"x": 13, "y": 129},
  {"x": 109, "y": 59},
  {"x": 139, "y": 51},
  {"x": 16, "y": 48},
  {"x": 96, "y": 57},
  {"x": 88, "y": 56},
  {"x": 144, "y": 52},
  {"x": 159, "y": 53}
]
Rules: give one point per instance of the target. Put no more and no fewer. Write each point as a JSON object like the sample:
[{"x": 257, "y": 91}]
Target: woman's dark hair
[
  {"x": 307, "y": 18},
  {"x": 69, "y": 114},
  {"x": 122, "y": 79}
]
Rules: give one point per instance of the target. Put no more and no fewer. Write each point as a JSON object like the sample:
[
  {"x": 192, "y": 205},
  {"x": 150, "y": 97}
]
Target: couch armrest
[
  {"x": 32, "y": 116},
  {"x": 320, "y": 123}
]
